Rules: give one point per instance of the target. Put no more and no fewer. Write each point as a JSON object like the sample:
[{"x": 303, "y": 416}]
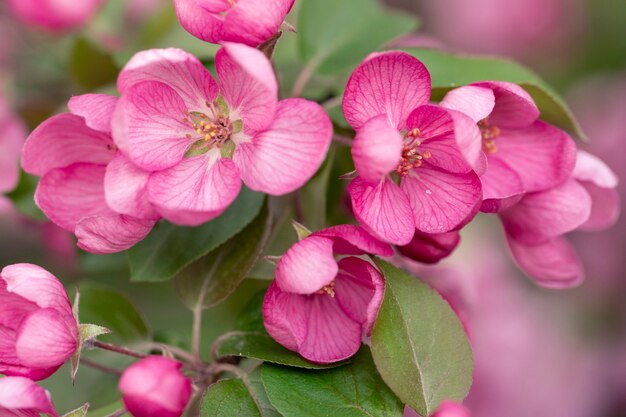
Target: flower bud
[
  {"x": 20, "y": 396},
  {"x": 155, "y": 387},
  {"x": 430, "y": 248},
  {"x": 37, "y": 328}
]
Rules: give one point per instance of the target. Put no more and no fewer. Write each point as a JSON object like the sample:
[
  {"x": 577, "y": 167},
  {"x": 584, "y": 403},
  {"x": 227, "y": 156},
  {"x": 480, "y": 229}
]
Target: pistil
[
  {"x": 489, "y": 133},
  {"x": 327, "y": 289}
]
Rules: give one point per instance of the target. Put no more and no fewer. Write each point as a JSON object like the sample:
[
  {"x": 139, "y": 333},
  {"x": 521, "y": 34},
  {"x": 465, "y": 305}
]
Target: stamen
[
  {"x": 412, "y": 157},
  {"x": 489, "y": 133},
  {"x": 327, "y": 289}
]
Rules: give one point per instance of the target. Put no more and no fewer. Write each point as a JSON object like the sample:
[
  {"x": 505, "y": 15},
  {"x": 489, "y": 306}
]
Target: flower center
[
  {"x": 213, "y": 132},
  {"x": 490, "y": 133},
  {"x": 412, "y": 156},
  {"x": 327, "y": 289}
]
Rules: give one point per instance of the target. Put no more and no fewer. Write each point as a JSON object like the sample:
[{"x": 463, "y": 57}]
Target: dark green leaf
[
  {"x": 354, "y": 390},
  {"x": 419, "y": 345},
  {"x": 91, "y": 67},
  {"x": 210, "y": 280},
  {"x": 229, "y": 398},
  {"x": 169, "y": 248},
  {"x": 251, "y": 316},
  {"x": 263, "y": 402}
]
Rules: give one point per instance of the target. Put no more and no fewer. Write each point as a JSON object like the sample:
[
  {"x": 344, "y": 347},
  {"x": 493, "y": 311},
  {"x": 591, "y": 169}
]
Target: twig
[
  {"x": 118, "y": 349},
  {"x": 95, "y": 365}
]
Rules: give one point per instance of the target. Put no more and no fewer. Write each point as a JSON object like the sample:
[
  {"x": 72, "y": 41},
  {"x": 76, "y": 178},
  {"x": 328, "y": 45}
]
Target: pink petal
[
  {"x": 441, "y": 201},
  {"x": 451, "y": 409},
  {"x": 12, "y": 136},
  {"x": 605, "y": 207},
  {"x": 248, "y": 84},
  {"x": 285, "y": 316},
  {"x": 202, "y": 18},
  {"x": 64, "y": 140},
  {"x": 111, "y": 233},
  {"x": 541, "y": 155},
  {"x": 476, "y": 102},
  {"x": 377, "y": 149},
  {"x": 548, "y": 214},
  {"x": 154, "y": 127},
  {"x": 66, "y": 195},
  {"x": 252, "y": 22},
  {"x": 430, "y": 248},
  {"x": 37, "y": 285},
  {"x": 196, "y": 190},
  {"x": 359, "y": 289},
  {"x": 125, "y": 189},
  {"x": 383, "y": 209},
  {"x": 46, "y": 327},
  {"x": 307, "y": 266},
  {"x": 499, "y": 183},
  {"x": 590, "y": 168},
  {"x": 22, "y": 394},
  {"x": 392, "y": 83},
  {"x": 177, "y": 69},
  {"x": 552, "y": 263},
  {"x": 353, "y": 240},
  {"x": 285, "y": 156},
  {"x": 514, "y": 107},
  {"x": 469, "y": 140},
  {"x": 96, "y": 109}
]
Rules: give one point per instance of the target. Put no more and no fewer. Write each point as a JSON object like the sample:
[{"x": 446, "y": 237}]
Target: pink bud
[
  {"x": 155, "y": 387},
  {"x": 22, "y": 397},
  {"x": 430, "y": 248},
  {"x": 37, "y": 328}
]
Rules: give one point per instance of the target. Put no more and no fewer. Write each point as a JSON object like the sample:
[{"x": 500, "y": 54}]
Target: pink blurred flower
[
  {"x": 446, "y": 409},
  {"x": 37, "y": 327},
  {"x": 249, "y": 22},
  {"x": 21, "y": 397},
  {"x": 87, "y": 186},
  {"x": 12, "y": 136},
  {"x": 520, "y": 153},
  {"x": 155, "y": 387},
  {"x": 399, "y": 133},
  {"x": 200, "y": 140},
  {"x": 54, "y": 15},
  {"x": 320, "y": 307},
  {"x": 430, "y": 248}
]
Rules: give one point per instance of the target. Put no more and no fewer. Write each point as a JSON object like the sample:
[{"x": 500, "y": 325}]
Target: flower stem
[
  {"x": 95, "y": 365},
  {"x": 176, "y": 351},
  {"x": 343, "y": 140},
  {"x": 118, "y": 413},
  {"x": 118, "y": 349}
]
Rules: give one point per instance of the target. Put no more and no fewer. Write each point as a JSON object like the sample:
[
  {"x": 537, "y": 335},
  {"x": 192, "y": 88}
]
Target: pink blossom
[
  {"x": 446, "y": 409},
  {"x": 520, "y": 154},
  {"x": 87, "y": 187},
  {"x": 200, "y": 139},
  {"x": 400, "y": 134},
  {"x": 54, "y": 15},
  {"x": 21, "y": 397},
  {"x": 12, "y": 136},
  {"x": 155, "y": 387},
  {"x": 37, "y": 327},
  {"x": 430, "y": 248},
  {"x": 249, "y": 22},
  {"x": 535, "y": 226},
  {"x": 319, "y": 306}
]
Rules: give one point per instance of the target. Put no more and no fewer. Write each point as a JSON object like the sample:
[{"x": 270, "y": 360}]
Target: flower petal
[
  {"x": 64, "y": 140},
  {"x": 552, "y": 263},
  {"x": 430, "y": 248},
  {"x": 35, "y": 284},
  {"x": 307, "y": 266},
  {"x": 377, "y": 149},
  {"x": 499, "y": 183},
  {"x": 111, "y": 233},
  {"x": 201, "y": 18},
  {"x": 605, "y": 207},
  {"x": 474, "y": 101},
  {"x": 96, "y": 109},
  {"x": 392, "y": 83},
  {"x": 286, "y": 155},
  {"x": 514, "y": 107},
  {"x": 196, "y": 190},
  {"x": 353, "y": 240},
  {"x": 469, "y": 140},
  {"x": 252, "y": 22},
  {"x": 248, "y": 84},
  {"x": 441, "y": 201},
  {"x": 590, "y": 168},
  {"x": 22, "y": 394},
  {"x": 383, "y": 209},
  {"x": 285, "y": 316}
]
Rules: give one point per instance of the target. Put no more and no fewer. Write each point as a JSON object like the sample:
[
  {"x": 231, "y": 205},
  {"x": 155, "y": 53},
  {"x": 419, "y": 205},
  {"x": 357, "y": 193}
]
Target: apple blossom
[
  {"x": 54, "y": 15},
  {"x": 21, "y": 397}
]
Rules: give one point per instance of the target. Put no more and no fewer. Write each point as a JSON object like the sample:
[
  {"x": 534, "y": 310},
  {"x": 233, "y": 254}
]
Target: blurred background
[{"x": 538, "y": 353}]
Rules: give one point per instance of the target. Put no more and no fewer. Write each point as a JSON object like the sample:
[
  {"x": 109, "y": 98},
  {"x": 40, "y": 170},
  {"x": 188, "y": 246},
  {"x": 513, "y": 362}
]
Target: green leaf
[
  {"x": 229, "y": 398},
  {"x": 450, "y": 70},
  {"x": 418, "y": 344},
  {"x": 24, "y": 197},
  {"x": 354, "y": 390},
  {"x": 337, "y": 35},
  {"x": 91, "y": 67},
  {"x": 169, "y": 248},
  {"x": 258, "y": 390},
  {"x": 313, "y": 195},
  {"x": 210, "y": 280},
  {"x": 79, "y": 412},
  {"x": 260, "y": 345},
  {"x": 250, "y": 318}
]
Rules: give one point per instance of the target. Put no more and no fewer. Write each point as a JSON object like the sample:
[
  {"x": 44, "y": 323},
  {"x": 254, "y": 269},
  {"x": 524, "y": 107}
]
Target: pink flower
[
  {"x": 21, "y": 397},
  {"x": 430, "y": 248},
  {"x": 54, "y": 15},
  {"x": 12, "y": 136},
  {"x": 249, "y": 22},
  {"x": 520, "y": 154},
  {"x": 155, "y": 387},
  {"x": 87, "y": 186},
  {"x": 400, "y": 134},
  {"x": 446, "y": 409},
  {"x": 37, "y": 328},
  {"x": 319, "y": 306},
  {"x": 200, "y": 140},
  {"x": 535, "y": 226}
]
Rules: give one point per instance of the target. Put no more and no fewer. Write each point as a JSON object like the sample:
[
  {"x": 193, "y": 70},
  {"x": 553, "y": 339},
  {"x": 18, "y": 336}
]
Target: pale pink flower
[
  {"x": 520, "y": 154},
  {"x": 55, "y": 15},
  {"x": 12, "y": 136},
  {"x": 155, "y": 387},
  {"x": 446, "y": 409},
  {"x": 249, "y": 22},
  {"x": 319, "y": 306},
  {"x": 37, "y": 328},
  {"x": 400, "y": 134},
  {"x": 87, "y": 187},
  {"x": 430, "y": 248},
  {"x": 200, "y": 139},
  {"x": 21, "y": 397}
]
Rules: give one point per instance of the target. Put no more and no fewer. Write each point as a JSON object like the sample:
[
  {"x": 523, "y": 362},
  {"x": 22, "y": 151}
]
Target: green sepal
[
  {"x": 199, "y": 147},
  {"x": 79, "y": 412},
  {"x": 300, "y": 229},
  {"x": 221, "y": 105},
  {"x": 237, "y": 126},
  {"x": 227, "y": 149}
]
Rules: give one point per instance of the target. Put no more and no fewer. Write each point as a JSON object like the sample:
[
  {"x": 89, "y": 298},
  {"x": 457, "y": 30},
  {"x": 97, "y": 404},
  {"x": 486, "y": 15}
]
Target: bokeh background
[{"x": 538, "y": 353}]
